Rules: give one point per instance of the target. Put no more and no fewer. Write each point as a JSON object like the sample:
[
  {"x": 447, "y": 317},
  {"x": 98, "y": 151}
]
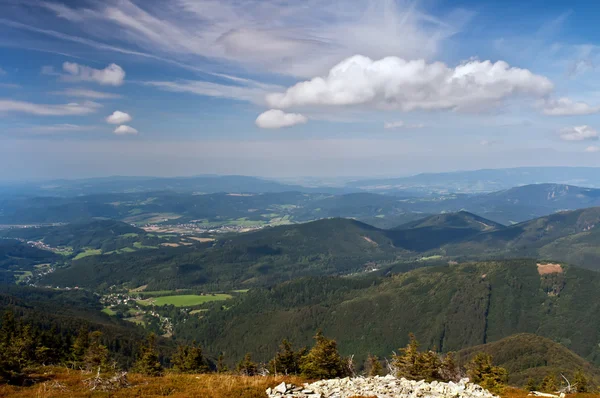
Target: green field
[
  {"x": 88, "y": 252},
  {"x": 108, "y": 311},
  {"x": 21, "y": 275},
  {"x": 129, "y": 235},
  {"x": 186, "y": 300},
  {"x": 139, "y": 245}
]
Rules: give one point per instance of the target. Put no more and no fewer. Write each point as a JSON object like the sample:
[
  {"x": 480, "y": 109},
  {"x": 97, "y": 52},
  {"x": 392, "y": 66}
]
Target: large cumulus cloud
[{"x": 395, "y": 83}]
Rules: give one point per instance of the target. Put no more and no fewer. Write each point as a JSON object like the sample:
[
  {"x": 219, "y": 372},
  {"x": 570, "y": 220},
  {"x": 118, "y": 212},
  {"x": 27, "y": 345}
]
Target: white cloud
[
  {"x": 579, "y": 133},
  {"x": 118, "y": 117},
  {"x": 251, "y": 92},
  {"x": 592, "y": 149},
  {"x": 298, "y": 38},
  {"x": 112, "y": 75},
  {"x": 83, "y": 93},
  {"x": 58, "y": 128},
  {"x": 400, "y": 124},
  {"x": 49, "y": 109},
  {"x": 568, "y": 107},
  {"x": 124, "y": 130},
  {"x": 394, "y": 83},
  {"x": 275, "y": 118}
]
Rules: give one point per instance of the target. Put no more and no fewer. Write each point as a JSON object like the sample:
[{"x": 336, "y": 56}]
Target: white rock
[{"x": 281, "y": 388}]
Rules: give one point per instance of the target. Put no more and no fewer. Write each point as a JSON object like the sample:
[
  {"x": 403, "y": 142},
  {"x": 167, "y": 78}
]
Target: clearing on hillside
[{"x": 544, "y": 269}]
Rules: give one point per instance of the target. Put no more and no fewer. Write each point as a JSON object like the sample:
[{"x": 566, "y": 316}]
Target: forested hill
[
  {"x": 449, "y": 307},
  {"x": 339, "y": 247}
]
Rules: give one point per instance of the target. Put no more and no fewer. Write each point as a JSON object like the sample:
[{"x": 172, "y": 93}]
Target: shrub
[
  {"x": 190, "y": 359},
  {"x": 323, "y": 361},
  {"x": 148, "y": 363},
  {"x": 287, "y": 361},
  {"x": 481, "y": 371},
  {"x": 246, "y": 367}
]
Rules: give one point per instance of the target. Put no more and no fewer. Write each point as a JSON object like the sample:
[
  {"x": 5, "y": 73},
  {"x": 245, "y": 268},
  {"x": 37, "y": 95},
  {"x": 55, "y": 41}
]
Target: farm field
[
  {"x": 186, "y": 300},
  {"x": 88, "y": 252}
]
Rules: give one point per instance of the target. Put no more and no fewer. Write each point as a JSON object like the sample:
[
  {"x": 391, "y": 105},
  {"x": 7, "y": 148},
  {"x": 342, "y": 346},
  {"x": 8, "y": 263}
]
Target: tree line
[{"x": 23, "y": 348}]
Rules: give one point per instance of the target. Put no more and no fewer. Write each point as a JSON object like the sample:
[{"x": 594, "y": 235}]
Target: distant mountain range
[
  {"x": 385, "y": 211},
  {"x": 487, "y": 180},
  {"x": 469, "y": 182}
]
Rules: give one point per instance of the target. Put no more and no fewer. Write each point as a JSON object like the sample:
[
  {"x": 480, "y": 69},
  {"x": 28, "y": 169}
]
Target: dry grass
[{"x": 65, "y": 383}]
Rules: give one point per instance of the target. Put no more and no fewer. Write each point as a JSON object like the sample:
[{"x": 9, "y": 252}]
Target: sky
[{"x": 280, "y": 88}]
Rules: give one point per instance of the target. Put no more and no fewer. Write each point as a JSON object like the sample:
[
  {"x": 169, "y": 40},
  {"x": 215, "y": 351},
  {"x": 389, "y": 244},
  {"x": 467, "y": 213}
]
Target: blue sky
[{"x": 278, "y": 88}]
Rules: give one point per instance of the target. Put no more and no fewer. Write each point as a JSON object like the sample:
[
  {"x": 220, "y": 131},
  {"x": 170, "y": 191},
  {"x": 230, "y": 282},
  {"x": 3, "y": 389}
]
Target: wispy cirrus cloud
[
  {"x": 56, "y": 129},
  {"x": 400, "y": 124},
  {"x": 250, "y": 92},
  {"x": 304, "y": 39},
  {"x": 85, "y": 93},
  {"x": 70, "y": 109}
]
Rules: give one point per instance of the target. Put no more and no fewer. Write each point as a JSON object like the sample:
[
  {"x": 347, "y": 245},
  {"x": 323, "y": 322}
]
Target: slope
[
  {"x": 270, "y": 255},
  {"x": 526, "y": 355},
  {"x": 449, "y": 307}
]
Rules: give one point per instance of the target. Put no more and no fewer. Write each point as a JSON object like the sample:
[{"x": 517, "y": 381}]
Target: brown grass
[
  {"x": 544, "y": 269},
  {"x": 64, "y": 383}
]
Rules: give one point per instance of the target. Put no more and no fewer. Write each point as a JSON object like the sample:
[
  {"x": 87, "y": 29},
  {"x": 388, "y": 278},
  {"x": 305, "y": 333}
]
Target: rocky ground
[{"x": 380, "y": 387}]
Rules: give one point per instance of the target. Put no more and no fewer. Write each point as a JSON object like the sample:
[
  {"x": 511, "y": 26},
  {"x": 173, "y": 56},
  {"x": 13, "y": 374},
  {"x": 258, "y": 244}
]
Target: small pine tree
[
  {"x": 96, "y": 355},
  {"x": 323, "y": 361},
  {"x": 221, "y": 366},
  {"x": 286, "y": 361},
  {"x": 373, "y": 367},
  {"x": 148, "y": 363},
  {"x": 531, "y": 385},
  {"x": 246, "y": 367},
  {"x": 407, "y": 361},
  {"x": 80, "y": 345},
  {"x": 481, "y": 371},
  {"x": 580, "y": 381},
  {"x": 449, "y": 370},
  {"x": 190, "y": 359},
  {"x": 549, "y": 384}
]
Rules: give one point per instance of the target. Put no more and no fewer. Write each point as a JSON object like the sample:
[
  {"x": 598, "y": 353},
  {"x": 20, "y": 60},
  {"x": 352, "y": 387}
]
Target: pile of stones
[{"x": 380, "y": 387}]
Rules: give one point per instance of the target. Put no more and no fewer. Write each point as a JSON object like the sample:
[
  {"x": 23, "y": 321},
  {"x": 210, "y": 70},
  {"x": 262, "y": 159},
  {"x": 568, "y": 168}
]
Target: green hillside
[
  {"x": 268, "y": 256},
  {"x": 527, "y": 355},
  {"x": 449, "y": 307}
]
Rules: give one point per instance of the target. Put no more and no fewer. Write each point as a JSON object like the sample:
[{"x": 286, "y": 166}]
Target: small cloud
[
  {"x": 83, "y": 93},
  {"x": 401, "y": 125},
  {"x": 112, "y": 75},
  {"x": 9, "y": 85},
  {"x": 49, "y": 71},
  {"x": 275, "y": 118},
  {"x": 119, "y": 117},
  {"x": 124, "y": 130},
  {"x": 580, "y": 67},
  {"x": 578, "y": 133},
  {"x": 2, "y": 72},
  {"x": 592, "y": 149},
  {"x": 568, "y": 107}
]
